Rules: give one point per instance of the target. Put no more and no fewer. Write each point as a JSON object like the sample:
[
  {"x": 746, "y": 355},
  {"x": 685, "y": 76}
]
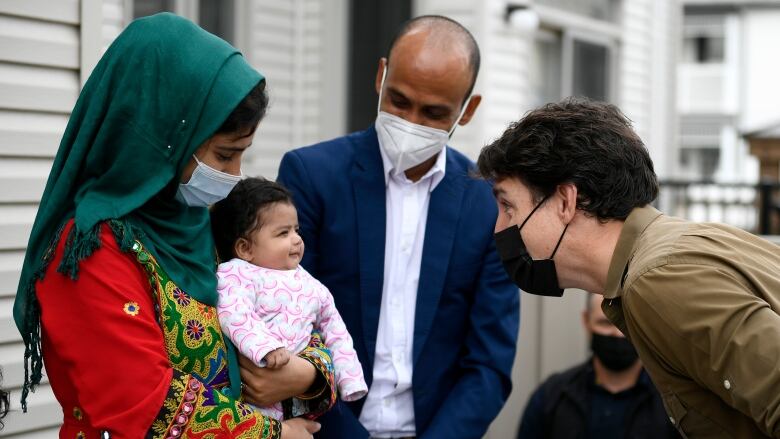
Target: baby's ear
[{"x": 243, "y": 249}]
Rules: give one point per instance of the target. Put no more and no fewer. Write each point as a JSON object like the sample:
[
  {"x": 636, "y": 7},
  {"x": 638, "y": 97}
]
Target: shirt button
[
  {"x": 387, "y": 402},
  {"x": 727, "y": 384},
  {"x": 671, "y": 419}
]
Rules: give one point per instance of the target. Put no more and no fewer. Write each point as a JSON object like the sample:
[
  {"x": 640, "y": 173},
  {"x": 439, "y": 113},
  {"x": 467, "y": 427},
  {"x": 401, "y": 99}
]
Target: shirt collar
[
  {"x": 633, "y": 227},
  {"x": 436, "y": 173}
]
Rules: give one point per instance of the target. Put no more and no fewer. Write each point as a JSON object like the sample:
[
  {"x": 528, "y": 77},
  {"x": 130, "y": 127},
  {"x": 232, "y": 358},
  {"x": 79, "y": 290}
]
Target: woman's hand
[
  {"x": 299, "y": 428},
  {"x": 264, "y": 387}
]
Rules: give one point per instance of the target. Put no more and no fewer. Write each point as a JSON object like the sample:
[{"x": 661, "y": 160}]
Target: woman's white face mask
[
  {"x": 407, "y": 144},
  {"x": 206, "y": 186}
]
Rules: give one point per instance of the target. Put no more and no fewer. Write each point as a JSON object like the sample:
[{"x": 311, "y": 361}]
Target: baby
[{"x": 268, "y": 304}]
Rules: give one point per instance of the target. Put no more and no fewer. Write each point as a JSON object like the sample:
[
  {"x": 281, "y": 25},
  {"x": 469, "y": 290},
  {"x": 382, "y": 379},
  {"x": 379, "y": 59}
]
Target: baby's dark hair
[{"x": 241, "y": 212}]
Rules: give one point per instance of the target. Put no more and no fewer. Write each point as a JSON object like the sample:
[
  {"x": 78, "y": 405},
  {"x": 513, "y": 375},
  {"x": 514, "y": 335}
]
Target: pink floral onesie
[{"x": 261, "y": 309}]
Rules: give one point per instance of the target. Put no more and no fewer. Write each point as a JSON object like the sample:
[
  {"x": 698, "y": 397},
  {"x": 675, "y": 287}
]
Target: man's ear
[
  {"x": 471, "y": 108},
  {"x": 567, "y": 208},
  {"x": 243, "y": 249},
  {"x": 379, "y": 72}
]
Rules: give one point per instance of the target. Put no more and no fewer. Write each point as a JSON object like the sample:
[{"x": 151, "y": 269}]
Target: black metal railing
[{"x": 752, "y": 207}]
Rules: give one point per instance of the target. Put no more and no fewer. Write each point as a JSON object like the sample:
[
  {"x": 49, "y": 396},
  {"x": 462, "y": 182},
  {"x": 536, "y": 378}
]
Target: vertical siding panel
[
  {"x": 39, "y": 81},
  {"x": 286, "y": 43}
]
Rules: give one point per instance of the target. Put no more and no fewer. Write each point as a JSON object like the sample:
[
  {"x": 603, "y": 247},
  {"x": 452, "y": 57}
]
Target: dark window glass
[
  {"x": 216, "y": 16},
  {"x": 142, "y": 8},
  {"x": 591, "y": 71}
]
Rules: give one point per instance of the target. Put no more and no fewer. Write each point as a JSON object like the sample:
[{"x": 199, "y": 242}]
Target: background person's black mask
[
  {"x": 535, "y": 276},
  {"x": 616, "y": 353}
]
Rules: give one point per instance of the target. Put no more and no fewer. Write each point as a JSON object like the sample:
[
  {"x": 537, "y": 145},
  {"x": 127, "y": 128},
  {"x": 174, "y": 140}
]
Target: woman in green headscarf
[{"x": 118, "y": 288}]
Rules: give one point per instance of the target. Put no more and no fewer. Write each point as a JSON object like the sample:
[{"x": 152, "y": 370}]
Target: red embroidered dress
[{"x": 128, "y": 352}]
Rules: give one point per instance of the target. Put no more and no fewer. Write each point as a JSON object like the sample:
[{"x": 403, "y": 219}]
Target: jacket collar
[{"x": 636, "y": 223}]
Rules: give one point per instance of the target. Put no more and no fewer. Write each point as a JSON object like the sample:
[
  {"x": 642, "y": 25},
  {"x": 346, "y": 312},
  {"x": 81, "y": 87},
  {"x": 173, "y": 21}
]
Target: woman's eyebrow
[{"x": 233, "y": 148}]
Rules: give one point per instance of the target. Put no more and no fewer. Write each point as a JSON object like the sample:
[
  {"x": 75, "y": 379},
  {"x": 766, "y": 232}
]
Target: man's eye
[
  {"x": 432, "y": 115},
  {"x": 399, "y": 103},
  {"x": 224, "y": 158}
]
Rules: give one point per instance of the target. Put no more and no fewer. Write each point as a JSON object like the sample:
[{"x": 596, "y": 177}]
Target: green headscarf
[{"x": 163, "y": 88}]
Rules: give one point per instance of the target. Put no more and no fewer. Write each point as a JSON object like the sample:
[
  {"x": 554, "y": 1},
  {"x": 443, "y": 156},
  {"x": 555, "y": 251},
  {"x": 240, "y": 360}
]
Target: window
[
  {"x": 569, "y": 64},
  {"x": 576, "y": 49},
  {"x": 703, "y": 38},
  {"x": 605, "y": 10},
  {"x": 590, "y": 75},
  {"x": 216, "y": 16},
  {"x": 142, "y": 8},
  {"x": 702, "y": 49},
  {"x": 700, "y": 163},
  {"x": 546, "y": 69}
]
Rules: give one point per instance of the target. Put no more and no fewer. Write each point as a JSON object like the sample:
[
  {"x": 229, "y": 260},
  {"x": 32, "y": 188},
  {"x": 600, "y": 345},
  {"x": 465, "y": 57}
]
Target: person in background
[
  {"x": 402, "y": 236},
  {"x": 609, "y": 396},
  {"x": 700, "y": 302},
  {"x": 118, "y": 288}
]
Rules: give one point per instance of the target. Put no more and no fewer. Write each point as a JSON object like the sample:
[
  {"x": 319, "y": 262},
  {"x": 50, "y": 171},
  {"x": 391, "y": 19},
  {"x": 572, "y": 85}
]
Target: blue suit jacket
[{"x": 467, "y": 315}]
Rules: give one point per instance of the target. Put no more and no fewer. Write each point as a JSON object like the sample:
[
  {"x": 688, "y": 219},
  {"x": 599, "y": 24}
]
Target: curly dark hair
[
  {"x": 241, "y": 212},
  {"x": 590, "y": 144}
]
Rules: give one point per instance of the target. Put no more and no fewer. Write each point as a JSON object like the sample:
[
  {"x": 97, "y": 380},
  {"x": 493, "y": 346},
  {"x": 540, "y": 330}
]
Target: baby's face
[{"x": 276, "y": 244}]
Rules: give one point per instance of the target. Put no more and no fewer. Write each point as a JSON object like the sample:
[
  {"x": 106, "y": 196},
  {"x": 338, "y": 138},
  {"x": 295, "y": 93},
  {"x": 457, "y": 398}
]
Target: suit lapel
[
  {"x": 443, "y": 216},
  {"x": 369, "y": 190}
]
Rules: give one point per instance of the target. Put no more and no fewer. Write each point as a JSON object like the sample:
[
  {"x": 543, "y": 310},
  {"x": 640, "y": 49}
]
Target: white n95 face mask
[
  {"x": 206, "y": 186},
  {"x": 407, "y": 144}
]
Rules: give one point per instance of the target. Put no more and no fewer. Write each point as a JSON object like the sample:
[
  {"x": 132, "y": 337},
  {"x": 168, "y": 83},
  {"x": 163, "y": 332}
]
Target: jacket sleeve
[
  {"x": 718, "y": 333},
  {"x": 349, "y": 373},
  {"x": 238, "y": 318},
  {"x": 102, "y": 336},
  {"x": 490, "y": 345},
  {"x": 293, "y": 175}
]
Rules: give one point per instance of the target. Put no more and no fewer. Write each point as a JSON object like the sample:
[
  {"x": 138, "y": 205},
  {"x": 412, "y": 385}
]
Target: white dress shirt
[{"x": 389, "y": 408}]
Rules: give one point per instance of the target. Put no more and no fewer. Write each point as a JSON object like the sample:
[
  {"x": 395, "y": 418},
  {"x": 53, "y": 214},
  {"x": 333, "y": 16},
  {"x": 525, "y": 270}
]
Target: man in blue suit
[{"x": 402, "y": 236}]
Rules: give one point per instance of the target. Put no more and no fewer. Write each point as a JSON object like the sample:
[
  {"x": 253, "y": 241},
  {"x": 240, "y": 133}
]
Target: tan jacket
[{"x": 700, "y": 303}]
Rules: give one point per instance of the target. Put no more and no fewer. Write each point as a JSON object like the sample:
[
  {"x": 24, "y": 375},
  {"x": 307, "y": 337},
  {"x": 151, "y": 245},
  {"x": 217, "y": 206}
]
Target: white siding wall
[
  {"x": 760, "y": 65},
  {"x": 39, "y": 83},
  {"x": 115, "y": 16},
  {"x": 647, "y": 76},
  {"x": 300, "y": 46},
  {"x": 46, "y": 52},
  {"x": 503, "y": 80}
]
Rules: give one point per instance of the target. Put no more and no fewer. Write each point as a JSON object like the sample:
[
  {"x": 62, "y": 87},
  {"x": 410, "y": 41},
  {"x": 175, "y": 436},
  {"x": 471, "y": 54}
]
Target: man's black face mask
[{"x": 532, "y": 276}]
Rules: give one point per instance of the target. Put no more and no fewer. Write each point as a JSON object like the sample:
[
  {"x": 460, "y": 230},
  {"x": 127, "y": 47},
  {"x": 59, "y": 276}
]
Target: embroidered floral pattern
[
  {"x": 192, "y": 337},
  {"x": 181, "y": 297},
  {"x": 194, "y": 406},
  {"x": 194, "y": 410},
  {"x": 206, "y": 311},
  {"x": 195, "y": 329},
  {"x": 132, "y": 308},
  {"x": 312, "y": 406}
]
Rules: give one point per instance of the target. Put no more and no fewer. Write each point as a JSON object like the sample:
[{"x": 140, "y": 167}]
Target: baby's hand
[{"x": 277, "y": 358}]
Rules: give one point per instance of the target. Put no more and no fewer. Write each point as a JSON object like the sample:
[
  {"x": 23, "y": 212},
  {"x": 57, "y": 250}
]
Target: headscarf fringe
[
  {"x": 33, "y": 360},
  {"x": 78, "y": 247}
]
